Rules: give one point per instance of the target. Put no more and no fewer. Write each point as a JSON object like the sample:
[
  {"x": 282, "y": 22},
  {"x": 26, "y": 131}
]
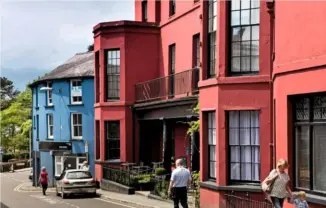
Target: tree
[
  {"x": 90, "y": 47},
  {"x": 16, "y": 123},
  {"x": 7, "y": 92},
  {"x": 194, "y": 125}
]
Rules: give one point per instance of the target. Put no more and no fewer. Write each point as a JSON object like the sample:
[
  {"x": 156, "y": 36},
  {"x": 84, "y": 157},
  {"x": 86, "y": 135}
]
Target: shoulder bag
[{"x": 268, "y": 187}]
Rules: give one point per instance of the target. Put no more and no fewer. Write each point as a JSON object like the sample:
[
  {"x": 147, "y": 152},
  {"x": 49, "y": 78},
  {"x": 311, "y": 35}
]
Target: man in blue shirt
[{"x": 180, "y": 179}]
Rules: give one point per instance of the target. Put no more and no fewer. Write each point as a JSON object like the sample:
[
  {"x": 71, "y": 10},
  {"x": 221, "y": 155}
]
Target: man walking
[{"x": 180, "y": 179}]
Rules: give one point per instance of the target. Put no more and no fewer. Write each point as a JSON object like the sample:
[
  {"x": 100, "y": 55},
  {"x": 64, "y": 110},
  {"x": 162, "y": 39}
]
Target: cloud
[{"x": 43, "y": 34}]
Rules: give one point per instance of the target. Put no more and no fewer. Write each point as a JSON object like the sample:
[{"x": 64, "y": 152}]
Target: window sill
[
  {"x": 77, "y": 139},
  {"x": 76, "y": 104},
  {"x": 51, "y": 139},
  {"x": 315, "y": 199},
  {"x": 49, "y": 106},
  {"x": 240, "y": 188}
]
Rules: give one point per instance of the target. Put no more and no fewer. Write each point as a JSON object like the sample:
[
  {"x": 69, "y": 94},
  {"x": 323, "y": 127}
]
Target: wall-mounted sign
[{"x": 56, "y": 146}]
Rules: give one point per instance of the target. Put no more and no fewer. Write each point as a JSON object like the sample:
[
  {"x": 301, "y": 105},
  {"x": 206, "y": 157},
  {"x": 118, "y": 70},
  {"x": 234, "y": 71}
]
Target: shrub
[
  {"x": 160, "y": 171},
  {"x": 161, "y": 189},
  {"x": 196, "y": 179}
]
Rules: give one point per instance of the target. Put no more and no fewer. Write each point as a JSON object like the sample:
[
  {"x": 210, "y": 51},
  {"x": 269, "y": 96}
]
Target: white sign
[
  {"x": 86, "y": 148},
  {"x": 76, "y": 91}
]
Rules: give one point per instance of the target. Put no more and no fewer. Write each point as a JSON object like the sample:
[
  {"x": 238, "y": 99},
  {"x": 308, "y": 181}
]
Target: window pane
[
  {"x": 235, "y": 4},
  {"x": 254, "y": 48},
  {"x": 245, "y": 64},
  {"x": 255, "y": 172},
  {"x": 255, "y": 3},
  {"x": 235, "y": 154},
  {"x": 255, "y": 16},
  {"x": 246, "y": 172},
  {"x": 245, "y": 136},
  {"x": 234, "y": 119},
  {"x": 255, "y": 32},
  {"x": 245, "y": 17},
  {"x": 245, "y": 4},
  {"x": 236, "y": 49},
  {"x": 233, "y": 136},
  {"x": 236, "y": 34},
  {"x": 255, "y": 63},
  {"x": 235, "y": 18},
  {"x": 255, "y": 154},
  {"x": 212, "y": 153},
  {"x": 212, "y": 171},
  {"x": 236, "y": 64},
  {"x": 319, "y": 157},
  {"x": 302, "y": 155},
  {"x": 302, "y": 109},
  {"x": 245, "y": 48},
  {"x": 246, "y": 154},
  {"x": 235, "y": 171},
  {"x": 246, "y": 34}
]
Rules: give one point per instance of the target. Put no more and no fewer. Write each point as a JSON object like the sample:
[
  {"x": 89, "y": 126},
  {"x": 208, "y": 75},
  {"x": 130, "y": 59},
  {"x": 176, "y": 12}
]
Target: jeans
[
  {"x": 277, "y": 202},
  {"x": 44, "y": 187},
  {"x": 180, "y": 195}
]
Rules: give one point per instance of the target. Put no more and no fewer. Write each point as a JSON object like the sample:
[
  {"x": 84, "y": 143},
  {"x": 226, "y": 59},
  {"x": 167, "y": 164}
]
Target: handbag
[{"x": 268, "y": 187}]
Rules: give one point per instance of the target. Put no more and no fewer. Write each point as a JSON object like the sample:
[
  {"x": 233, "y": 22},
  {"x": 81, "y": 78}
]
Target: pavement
[{"x": 17, "y": 191}]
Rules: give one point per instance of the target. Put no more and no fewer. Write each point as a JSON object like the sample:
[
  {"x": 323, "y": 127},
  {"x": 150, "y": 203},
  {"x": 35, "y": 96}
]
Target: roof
[{"x": 80, "y": 65}]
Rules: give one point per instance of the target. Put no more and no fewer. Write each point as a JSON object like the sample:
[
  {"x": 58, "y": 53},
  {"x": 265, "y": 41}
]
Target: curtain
[{"x": 244, "y": 145}]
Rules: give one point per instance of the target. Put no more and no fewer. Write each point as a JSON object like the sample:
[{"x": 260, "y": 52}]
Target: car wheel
[
  {"x": 63, "y": 195},
  {"x": 56, "y": 190}
]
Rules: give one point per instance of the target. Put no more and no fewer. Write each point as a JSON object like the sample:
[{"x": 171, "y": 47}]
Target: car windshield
[{"x": 79, "y": 175}]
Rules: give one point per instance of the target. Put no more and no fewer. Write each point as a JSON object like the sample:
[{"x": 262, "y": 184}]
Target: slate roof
[{"x": 80, "y": 65}]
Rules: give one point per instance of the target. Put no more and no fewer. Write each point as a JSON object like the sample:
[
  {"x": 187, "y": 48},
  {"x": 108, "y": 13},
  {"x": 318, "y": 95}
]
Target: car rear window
[{"x": 79, "y": 175}]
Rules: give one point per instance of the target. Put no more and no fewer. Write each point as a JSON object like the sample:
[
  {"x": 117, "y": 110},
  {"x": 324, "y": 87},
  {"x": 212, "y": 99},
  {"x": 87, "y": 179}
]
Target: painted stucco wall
[{"x": 61, "y": 111}]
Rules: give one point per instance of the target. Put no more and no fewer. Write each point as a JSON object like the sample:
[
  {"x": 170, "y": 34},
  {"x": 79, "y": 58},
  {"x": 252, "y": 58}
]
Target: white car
[{"x": 75, "y": 182}]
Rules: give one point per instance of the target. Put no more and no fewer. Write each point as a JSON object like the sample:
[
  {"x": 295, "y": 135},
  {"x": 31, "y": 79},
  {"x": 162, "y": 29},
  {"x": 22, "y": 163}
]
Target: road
[{"x": 11, "y": 196}]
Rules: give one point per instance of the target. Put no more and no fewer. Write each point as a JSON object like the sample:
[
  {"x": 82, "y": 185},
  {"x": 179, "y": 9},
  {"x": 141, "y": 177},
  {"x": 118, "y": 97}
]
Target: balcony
[{"x": 181, "y": 84}]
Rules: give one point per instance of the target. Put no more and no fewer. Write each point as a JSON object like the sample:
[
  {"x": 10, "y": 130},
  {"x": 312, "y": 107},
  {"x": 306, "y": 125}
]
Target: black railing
[
  {"x": 182, "y": 83},
  {"x": 118, "y": 176},
  {"x": 233, "y": 201}
]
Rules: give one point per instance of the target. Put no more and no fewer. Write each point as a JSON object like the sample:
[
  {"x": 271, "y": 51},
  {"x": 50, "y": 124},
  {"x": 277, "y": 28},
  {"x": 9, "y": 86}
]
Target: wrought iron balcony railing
[{"x": 182, "y": 83}]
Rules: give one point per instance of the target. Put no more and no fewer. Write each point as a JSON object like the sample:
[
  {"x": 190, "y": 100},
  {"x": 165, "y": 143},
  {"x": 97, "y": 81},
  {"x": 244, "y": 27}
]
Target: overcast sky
[{"x": 36, "y": 36}]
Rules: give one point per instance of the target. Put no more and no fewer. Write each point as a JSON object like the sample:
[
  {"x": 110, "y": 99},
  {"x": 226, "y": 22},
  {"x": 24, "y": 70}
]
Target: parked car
[
  {"x": 30, "y": 176},
  {"x": 75, "y": 182}
]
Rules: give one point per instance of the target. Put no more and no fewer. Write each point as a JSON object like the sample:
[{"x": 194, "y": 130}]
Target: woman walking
[
  {"x": 278, "y": 180},
  {"x": 44, "y": 179}
]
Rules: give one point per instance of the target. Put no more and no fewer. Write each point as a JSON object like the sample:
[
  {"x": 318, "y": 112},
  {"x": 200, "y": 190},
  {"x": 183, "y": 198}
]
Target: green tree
[
  {"x": 90, "y": 47},
  {"x": 194, "y": 125},
  {"x": 7, "y": 92},
  {"x": 16, "y": 123}
]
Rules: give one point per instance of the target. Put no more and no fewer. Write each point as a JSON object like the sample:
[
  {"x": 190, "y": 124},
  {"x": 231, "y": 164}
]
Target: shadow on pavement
[{"x": 3, "y": 205}]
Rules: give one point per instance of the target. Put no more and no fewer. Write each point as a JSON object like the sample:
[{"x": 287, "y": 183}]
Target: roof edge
[
  {"x": 56, "y": 79},
  {"x": 124, "y": 23}
]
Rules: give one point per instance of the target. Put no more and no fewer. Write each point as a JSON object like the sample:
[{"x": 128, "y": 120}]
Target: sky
[{"x": 37, "y": 36}]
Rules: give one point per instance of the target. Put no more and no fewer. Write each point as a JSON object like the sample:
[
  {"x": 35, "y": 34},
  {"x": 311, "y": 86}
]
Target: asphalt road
[{"x": 11, "y": 197}]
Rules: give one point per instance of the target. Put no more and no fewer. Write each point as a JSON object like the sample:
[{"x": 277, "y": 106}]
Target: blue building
[{"x": 63, "y": 117}]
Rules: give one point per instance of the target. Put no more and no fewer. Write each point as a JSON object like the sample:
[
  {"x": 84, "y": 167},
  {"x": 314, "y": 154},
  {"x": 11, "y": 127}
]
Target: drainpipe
[{"x": 271, "y": 10}]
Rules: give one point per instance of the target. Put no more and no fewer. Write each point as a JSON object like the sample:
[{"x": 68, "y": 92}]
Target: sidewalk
[{"x": 137, "y": 200}]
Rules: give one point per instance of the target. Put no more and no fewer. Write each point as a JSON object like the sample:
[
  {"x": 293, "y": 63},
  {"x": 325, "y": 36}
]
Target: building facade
[
  {"x": 146, "y": 77},
  {"x": 63, "y": 117},
  {"x": 257, "y": 91},
  {"x": 299, "y": 95}
]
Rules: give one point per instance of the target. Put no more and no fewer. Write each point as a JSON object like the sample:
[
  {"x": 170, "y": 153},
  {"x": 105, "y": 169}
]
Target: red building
[
  {"x": 256, "y": 74},
  {"x": 146, "y": 78}
]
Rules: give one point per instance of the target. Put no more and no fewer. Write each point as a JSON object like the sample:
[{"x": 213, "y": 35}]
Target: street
[{"x": 14, "y": 197}]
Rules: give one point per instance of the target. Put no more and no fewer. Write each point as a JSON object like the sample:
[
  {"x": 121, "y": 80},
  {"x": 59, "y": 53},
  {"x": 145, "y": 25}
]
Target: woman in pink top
[{"x": 44, "y": 179}]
